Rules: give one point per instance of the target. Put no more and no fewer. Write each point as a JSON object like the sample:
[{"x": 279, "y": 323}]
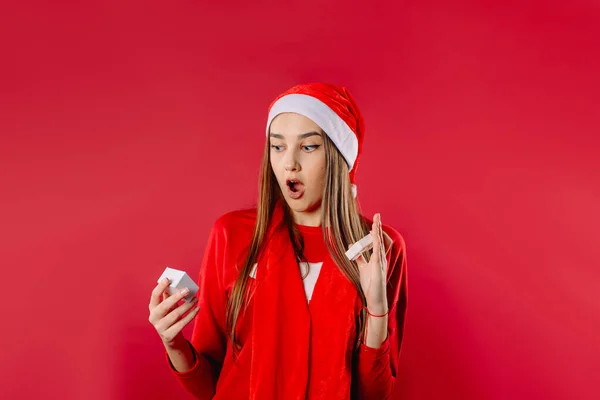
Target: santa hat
[{"x": 335, "y": 111}]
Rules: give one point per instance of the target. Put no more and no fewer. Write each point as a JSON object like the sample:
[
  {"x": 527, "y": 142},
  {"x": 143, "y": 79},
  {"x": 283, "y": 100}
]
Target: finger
[
  {"x": 382, "y": 254},
  {"x": 175, "y": 315},
  {"x": 179, "y": 325},
  {"x": 155, "y": 298},
  {"x": 387, "y": 243},
  {"x": 360, "y": 260},
  {"x": 165, "y": 295},
  {"x": 380, "y": 232},
  {"x": 169, "y": 303},
  {"x": 376, "y": 244}
]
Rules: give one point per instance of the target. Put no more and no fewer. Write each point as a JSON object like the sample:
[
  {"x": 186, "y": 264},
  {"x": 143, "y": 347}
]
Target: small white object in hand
[
  {"x": 360, "y": 247},
  {"x": 178, "y": 280}
]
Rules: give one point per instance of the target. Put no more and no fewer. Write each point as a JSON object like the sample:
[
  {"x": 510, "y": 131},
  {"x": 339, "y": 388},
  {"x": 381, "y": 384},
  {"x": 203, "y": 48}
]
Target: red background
[{"x": 127, "y": 129}]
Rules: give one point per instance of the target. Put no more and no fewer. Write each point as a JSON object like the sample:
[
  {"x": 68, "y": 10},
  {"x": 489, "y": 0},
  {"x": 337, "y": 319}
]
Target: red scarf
[{"x": 281, "y": 337}]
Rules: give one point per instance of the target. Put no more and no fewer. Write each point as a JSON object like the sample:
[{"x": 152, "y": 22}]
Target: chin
[
  {"x": 302, "y": 205},
  {"x": 295, "y": 205}
]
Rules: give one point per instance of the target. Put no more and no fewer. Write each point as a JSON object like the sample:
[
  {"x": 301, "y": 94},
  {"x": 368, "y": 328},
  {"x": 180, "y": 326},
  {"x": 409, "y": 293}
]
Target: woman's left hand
[{"x": 373, "y": 274}]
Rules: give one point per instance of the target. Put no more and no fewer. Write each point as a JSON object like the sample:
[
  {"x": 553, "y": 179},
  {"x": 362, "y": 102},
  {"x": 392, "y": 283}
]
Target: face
[{"x": 298, "y": 160}]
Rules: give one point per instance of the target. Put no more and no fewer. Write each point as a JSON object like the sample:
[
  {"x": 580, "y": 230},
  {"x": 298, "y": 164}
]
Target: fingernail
[
  {"x": 165, "y": 280},
  {"x": 185, "y": 291}
]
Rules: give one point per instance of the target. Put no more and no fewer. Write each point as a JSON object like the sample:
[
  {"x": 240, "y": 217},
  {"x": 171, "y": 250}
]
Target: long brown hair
[{"x": 339, "y": 211}]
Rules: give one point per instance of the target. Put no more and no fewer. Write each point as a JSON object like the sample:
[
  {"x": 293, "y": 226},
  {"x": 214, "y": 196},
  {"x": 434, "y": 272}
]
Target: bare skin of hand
[
  {"x": 373, "y": 280},
  {"x": 167, "y": 317},
  {"x": 373, "y": 273}
]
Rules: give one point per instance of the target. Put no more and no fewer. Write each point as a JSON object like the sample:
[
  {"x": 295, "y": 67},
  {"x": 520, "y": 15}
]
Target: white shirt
[{"x": 309, "y": 282}]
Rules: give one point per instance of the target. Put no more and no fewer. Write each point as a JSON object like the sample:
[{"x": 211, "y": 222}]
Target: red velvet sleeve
[
  {"x": 209, "y": 335},
  {"x": 376, "y": 368}
]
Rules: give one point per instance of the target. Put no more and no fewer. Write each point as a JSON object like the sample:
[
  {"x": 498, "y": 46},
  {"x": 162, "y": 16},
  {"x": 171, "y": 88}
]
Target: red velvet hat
[{"x": 332, "y": 108}]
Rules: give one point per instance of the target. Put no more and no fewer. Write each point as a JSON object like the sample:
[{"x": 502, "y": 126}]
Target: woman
[{"x": 282, "y": 313}]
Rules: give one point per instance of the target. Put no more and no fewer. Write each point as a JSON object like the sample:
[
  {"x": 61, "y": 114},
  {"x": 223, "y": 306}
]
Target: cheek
[
  {"x": 277, "y": 170},
  {"x": 317, "y": 173}
]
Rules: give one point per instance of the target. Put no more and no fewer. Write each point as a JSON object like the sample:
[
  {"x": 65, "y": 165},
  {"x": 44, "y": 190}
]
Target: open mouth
[
  {"x": 295, "y": 188},
  {"x": 293, "y": 184}
]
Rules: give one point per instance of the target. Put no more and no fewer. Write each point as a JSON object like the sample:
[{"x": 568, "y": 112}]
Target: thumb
[{"x": 360, "y": 260}]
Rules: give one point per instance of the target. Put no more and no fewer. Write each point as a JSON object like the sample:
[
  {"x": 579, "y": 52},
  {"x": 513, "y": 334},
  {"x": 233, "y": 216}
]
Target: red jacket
[{"x": 320, "y": 361}]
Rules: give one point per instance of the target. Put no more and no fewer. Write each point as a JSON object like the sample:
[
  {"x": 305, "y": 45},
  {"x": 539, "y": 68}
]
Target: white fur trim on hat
[{"x": 332, "y": 124}]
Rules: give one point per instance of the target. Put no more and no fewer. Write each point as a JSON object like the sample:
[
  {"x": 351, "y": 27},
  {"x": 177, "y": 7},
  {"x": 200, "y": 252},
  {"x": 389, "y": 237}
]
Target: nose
[
  {"x": 291, "y": 162},
  {"x": 291, "y": 166}
]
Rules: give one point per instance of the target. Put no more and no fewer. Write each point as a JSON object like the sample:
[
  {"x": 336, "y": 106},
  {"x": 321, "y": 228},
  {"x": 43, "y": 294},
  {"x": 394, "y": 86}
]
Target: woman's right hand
[{"x": 166, "y": 316}]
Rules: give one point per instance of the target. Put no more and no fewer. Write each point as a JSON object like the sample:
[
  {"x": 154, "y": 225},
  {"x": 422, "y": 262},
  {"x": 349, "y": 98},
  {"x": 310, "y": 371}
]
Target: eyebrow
[{"x": 302, "y": 136}]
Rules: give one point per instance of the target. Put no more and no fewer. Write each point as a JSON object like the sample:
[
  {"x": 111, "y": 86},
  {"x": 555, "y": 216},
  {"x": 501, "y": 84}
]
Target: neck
[{"x": 308, "y": 218}]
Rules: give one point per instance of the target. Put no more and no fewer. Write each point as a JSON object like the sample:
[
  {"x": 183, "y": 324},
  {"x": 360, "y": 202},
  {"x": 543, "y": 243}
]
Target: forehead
[{"x": 293, "y": 124}]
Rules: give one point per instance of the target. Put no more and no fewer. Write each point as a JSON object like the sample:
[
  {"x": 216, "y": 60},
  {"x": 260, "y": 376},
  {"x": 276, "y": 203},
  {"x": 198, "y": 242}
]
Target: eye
[
  {"x": 276, "y": 147},
  {"x": 311, "y": 148}
]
